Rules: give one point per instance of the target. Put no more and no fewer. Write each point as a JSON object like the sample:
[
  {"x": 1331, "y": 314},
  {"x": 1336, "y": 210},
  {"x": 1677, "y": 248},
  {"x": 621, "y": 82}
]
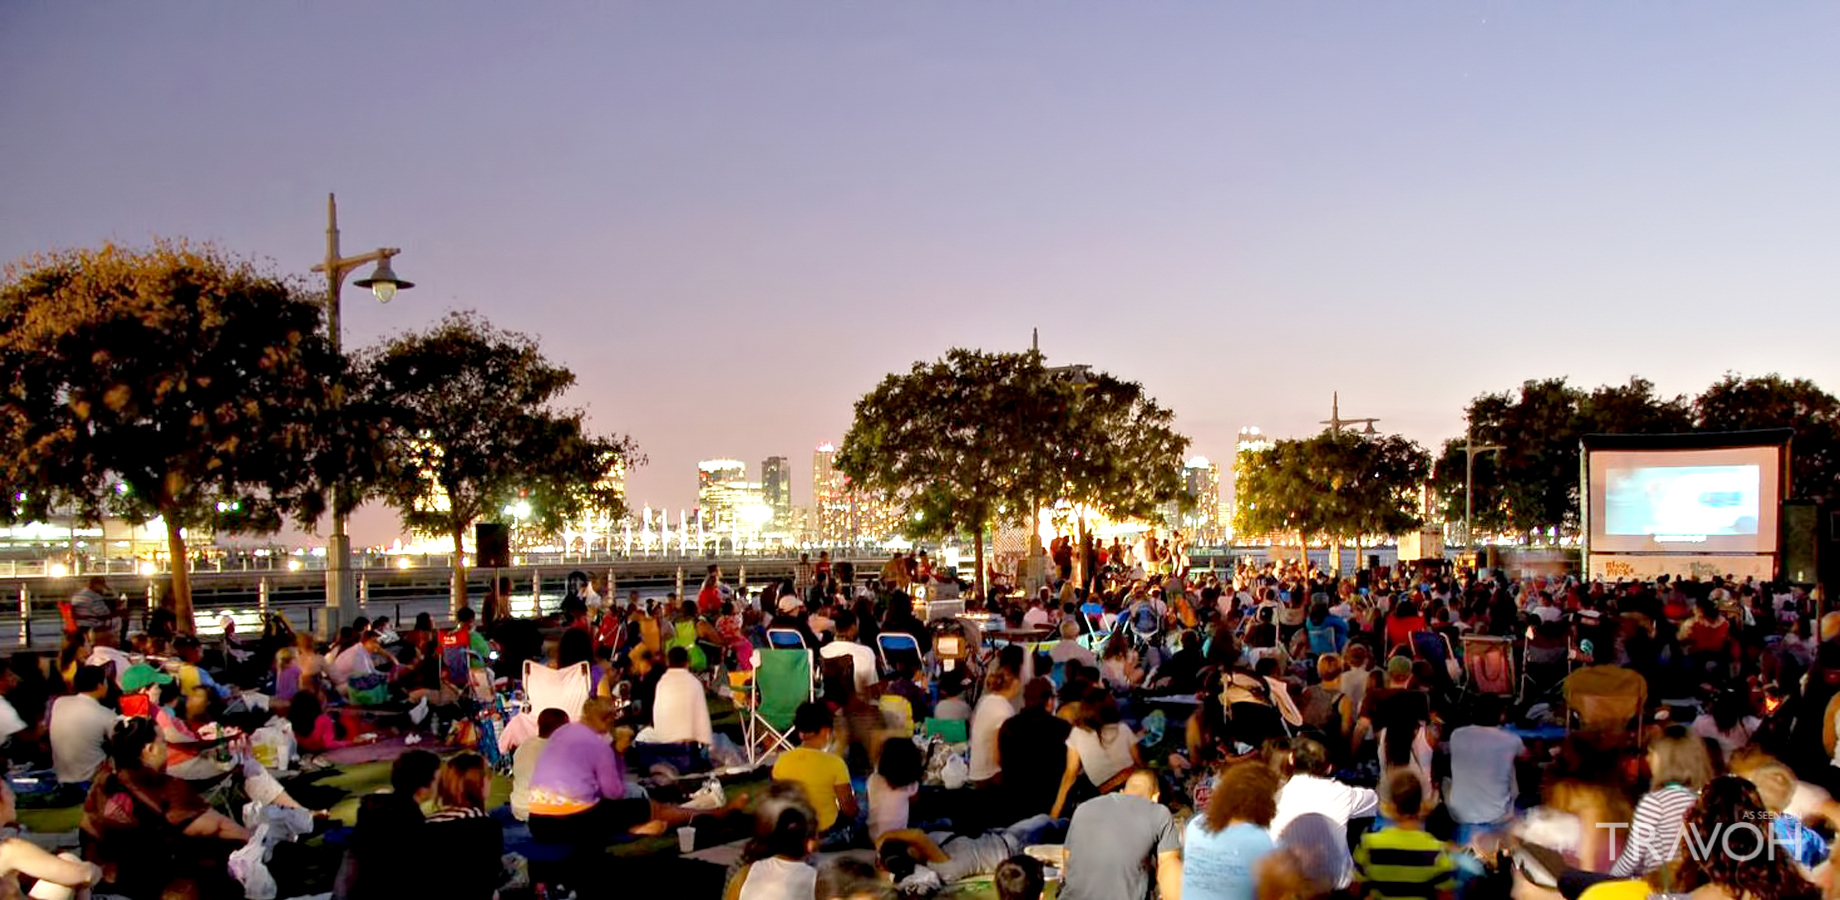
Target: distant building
[
  {"x": 1200, "y": 523},
  {"x": 776, "y": 491},
  {"x": 844, "y": 516},
  {"x": 723, "y": 494}
]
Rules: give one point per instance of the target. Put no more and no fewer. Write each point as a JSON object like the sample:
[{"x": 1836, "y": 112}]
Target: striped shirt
[
  {"x": 1403, "y": 863},
  {"x": 1654, "y": 836}
]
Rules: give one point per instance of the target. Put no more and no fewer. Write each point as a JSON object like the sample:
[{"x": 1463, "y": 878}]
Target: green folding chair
[
  {"x": 952, "y": 731},
  {"x": 782, "y": 681}
]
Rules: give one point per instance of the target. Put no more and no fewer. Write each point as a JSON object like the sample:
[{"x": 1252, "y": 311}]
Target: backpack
[
  {"x": 1322, "y": 709},
  {"x": 1144, "y": 619}
]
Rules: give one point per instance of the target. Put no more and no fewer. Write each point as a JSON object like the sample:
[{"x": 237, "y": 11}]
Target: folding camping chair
[
  {"x": 1489, "y": 662},
  {"x": 564, "y": 689},
  {"x": 1546, "y": 660},
  {"x": 783, "y": 679},
  {"x": 786, "y": 639},
  {"x": 890, "y": 643},
  {"x": 1605, "y": 698}
]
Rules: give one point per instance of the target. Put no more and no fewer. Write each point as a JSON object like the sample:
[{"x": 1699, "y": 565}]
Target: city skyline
[{"x": 732, "y": 220}]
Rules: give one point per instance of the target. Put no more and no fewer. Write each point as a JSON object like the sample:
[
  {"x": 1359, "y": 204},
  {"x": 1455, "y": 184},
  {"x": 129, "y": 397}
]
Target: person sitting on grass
[
  {"x": 578, "y": 792},
  {"x": 20, "y": 856},
  {"x": 775, "y": 862},
  {"x": 390, "y": 828},
  {"x": 823, "y": 776},
  {"x": 1404, "y": 860},
  {"x": 153, "y": 834},
  {"x": 470, "y": 843},
  {"x": 524, "y": 760},
  {"x": 200, "y": 749}
]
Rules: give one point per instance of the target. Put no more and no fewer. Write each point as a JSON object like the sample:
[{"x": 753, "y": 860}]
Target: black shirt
[{"x": 1032, "y": 747}]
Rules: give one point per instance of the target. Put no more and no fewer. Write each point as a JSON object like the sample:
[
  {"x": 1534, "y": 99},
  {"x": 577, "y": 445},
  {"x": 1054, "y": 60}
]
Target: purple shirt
[{"x": 578, "y": 769}]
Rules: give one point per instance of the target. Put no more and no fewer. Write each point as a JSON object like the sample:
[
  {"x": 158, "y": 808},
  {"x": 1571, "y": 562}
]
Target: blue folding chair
[
  {"x": 786, "y": 639},
  {"x": 891, "y": 642}
]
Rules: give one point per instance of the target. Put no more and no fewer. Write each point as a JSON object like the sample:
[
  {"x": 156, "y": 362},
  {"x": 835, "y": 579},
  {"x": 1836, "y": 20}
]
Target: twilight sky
[{"x": 733, "y": 218}]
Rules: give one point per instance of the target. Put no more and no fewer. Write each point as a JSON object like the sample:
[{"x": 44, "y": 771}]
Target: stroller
[{"x": 483, "y": 710}]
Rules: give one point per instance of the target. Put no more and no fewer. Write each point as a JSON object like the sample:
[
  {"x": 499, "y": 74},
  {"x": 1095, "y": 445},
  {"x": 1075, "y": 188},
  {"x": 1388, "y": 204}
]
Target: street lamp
[
  {"x": 1470, "y": 449},
  {"x": 340, "y": 593}
]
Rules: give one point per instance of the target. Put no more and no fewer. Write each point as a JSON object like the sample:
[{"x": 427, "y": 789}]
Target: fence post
[
  {"x": 680, "y": 584},
  {"x": 536, "y": 594},
  {"x": 364, "y": 592},
  {"x": 25, "y": 615},
  {"x": 262, "y": 589}
]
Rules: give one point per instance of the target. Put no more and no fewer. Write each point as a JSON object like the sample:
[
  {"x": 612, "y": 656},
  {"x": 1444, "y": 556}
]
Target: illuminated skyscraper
[
  {"x": 1202, "y": 520},
  {"x": 844, "y": 516},
  {"x": 776, "y": 490},
  {"x": 721, "y": 492}
]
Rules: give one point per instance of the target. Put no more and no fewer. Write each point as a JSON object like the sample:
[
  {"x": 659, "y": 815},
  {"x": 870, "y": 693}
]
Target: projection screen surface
[{"x": 1685, "y": 501}]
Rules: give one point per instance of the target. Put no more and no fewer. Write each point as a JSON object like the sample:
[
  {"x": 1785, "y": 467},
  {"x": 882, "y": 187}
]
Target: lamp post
[
  {"x": 341, "y": 599},
  {"x": 1470, "y": 449}
]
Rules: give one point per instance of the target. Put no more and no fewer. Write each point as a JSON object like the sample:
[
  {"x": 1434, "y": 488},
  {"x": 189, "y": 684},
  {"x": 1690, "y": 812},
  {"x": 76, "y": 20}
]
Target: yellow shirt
[{"x": 818, "y": 773}]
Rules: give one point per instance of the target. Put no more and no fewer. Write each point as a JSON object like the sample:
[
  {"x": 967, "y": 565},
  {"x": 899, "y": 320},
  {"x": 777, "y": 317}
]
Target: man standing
[
  {"x": 802, "y": 574},
  {"x": 90, "y": 608},
  {"x": 1117, "y": 840}
]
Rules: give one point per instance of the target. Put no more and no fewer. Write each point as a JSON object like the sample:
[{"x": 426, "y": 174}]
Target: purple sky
[{"x": 731, "y": 219}]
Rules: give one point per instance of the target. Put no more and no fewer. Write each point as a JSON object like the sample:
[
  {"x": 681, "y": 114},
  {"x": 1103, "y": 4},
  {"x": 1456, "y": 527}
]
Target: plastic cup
[{"x": 686, "y": 839}]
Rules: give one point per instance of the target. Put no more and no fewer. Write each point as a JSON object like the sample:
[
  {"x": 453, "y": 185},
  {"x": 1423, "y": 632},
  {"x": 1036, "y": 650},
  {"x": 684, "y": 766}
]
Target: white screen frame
[{"x": 1767, "y": 459}]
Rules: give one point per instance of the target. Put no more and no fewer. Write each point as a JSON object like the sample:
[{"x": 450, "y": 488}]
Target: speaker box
[
  {"x": 1802, "y": 542},
  {"x": 492, "y": 543}
]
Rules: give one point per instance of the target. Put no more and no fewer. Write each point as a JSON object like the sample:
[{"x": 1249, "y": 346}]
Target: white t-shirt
[
  {"x": 992, "y": 711},
  {"x": 1707, "y": 727},
  {"x": 779, "y": 879},
  {"x": 954, "y": 709},
  {"x": 79, "y": 726},
  {"x": 354, "y": 662},
  {"x": 888, "y": 806},
  {"x": 1103, "y": 759},
  {"x": 1036, "y": 617},
  {"x": 862, "y": 661},
  {"x": 102, "y": 656},
  {"x": 680, "y": 709},
  {"x": 1306, "y": 794}
]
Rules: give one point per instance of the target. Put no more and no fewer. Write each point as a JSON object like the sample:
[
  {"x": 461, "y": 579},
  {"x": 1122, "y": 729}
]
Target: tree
[
  {"x": 1772, "y": 401},
  {"x": 1336, "y": 486},
  {"x": 955, "y": 441},
  {"x": 467, "y": 426},
  {"x": 174, "y": 382},
  {"x": 1531, "y": 483}
]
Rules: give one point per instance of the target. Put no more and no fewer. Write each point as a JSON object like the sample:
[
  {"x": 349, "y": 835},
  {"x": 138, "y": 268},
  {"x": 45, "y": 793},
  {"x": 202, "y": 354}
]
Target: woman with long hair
[
  {"x": 1742, "y": 867},
  {"x": 1221, "y": 846},
  {"x": 1729, "y": 723},
  {"x": 72, "y": 653},
  {"x": 1101, "y": 746},
  {"x": 471, "y": 843},
  {"x": 1678, "y": 766}
]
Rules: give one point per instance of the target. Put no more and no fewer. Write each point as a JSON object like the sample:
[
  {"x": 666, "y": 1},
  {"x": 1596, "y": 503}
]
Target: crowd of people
[{"x": 1134, "y": 729}]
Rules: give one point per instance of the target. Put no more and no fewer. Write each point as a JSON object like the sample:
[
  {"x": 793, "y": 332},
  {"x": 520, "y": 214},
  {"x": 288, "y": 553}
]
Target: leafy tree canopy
[
  {"x": 466, "y": 417},
  {"x": 1342, "y": 487},
  {"x": 173, "y": 381}
]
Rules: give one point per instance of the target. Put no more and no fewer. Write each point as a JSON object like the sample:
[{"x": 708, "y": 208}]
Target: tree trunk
[
  {"x": 181, "y": 573},
  {"x": 977, "y": 543},
  {"x": 456, "y": 589},
  {"x": 1079, "y": 554}
]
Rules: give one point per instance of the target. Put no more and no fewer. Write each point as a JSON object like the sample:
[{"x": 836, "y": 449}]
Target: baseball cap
[
  {"x": 789, "y": 603},
  {"x": 1398, "y": 667},
  {"x": 141, "y": 675}
]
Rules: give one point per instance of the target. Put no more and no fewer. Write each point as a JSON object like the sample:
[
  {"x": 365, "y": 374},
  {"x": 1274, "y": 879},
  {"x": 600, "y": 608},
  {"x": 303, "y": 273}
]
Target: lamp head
[{"x": 383, "y": 281}]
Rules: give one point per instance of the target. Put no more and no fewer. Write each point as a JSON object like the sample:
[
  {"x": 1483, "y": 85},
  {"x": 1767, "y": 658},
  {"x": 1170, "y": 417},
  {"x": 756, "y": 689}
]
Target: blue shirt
[
  {"x": 1327, "y": 637},
  {"x": 1219, "y": 865}
]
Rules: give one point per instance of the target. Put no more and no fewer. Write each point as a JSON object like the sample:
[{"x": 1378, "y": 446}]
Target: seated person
[
  {"x": 775, "y": 862},
  {"x": 952, "y": 705},
  {"x": 578, "y": 792},
  {"x": 80, "y": 727},
  {"x": 390, "y": 828},
  {"x": 524, "y": 760},
  {"x": 680, "y": 706},
  {"x": 153, "y": 834},
  {"x": 470, "y": 843},
  {"x": 191, "y": 673},
  {"x": 199, "y": 749},
  {"x": 314, "y": 730},
  {"x": 18, "y": 855},
  {"x": 822, "y": 774},
  {"x": 357, "y": 672}
]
